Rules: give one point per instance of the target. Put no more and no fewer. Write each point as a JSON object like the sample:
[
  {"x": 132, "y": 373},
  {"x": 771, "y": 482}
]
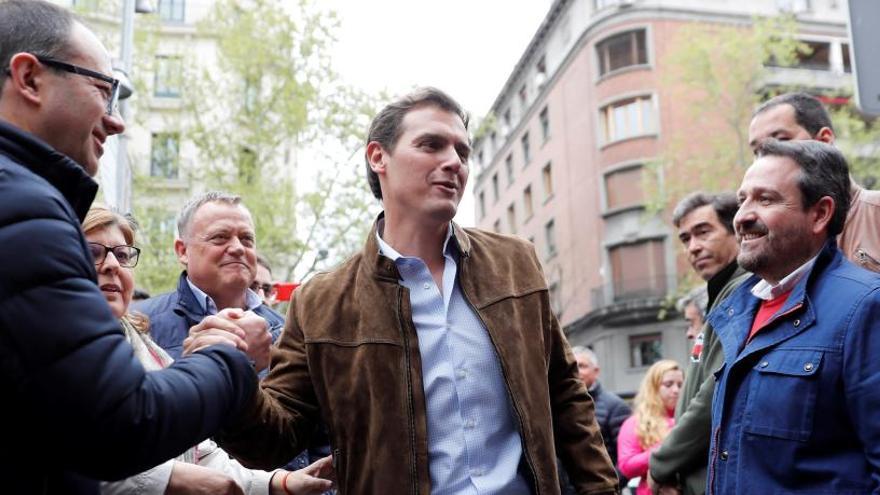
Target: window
[
  {"x": 550, "y": 237},
  {"x": 523, "y": 96},
  {"x": 817, "y": 58},
  {"x": 172, "y": 10},
  {"x": 544, "y": 118},
  {"x": 555, "y": 299},
  {"x": 480, "y": 158},
  {"x": 511, "y": 218},
  {"x": 497, "y": 226},
  {"x": 169, "y": 71},
  {"x": 645, "y": 350},
  {"x": 494, "y": 188},
  {"x": 508, "y": 165},
  {"x": 540, "y": 73},
  {"x": 793, "y": 6},
  {"x": 527, "y": 202},
  {"x": 547, "y": 176},
  {"x": 847, "y": 65},
  {"x": 526, "y": 149},
  {"x": 506, "y": 123},
  {"x": 482, "y": 204},
  {"x": 628, "y": 118},
  {"x": 622, "y": 50},
  {"x": 638, "y": 270},
  {"x": 165, "y": 155},
  {"x": 623, "y": 188}
]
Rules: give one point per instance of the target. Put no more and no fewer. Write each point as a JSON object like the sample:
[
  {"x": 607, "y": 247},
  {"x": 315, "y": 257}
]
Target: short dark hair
[
  {"x": 264, "y": 262},
  {"x": 724, "y": 204},
  {"x": 386, "y": 128},
  {"x": 824, "y": 172},
  {"x": 809, "y": 112},
  {"x": 33, "y": 26}
]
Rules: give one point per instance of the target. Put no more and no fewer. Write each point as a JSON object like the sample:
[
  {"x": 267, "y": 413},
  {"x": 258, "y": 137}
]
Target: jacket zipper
[
  {"x": 513, "y": 402},
  {"x": 414, "y": 473}
]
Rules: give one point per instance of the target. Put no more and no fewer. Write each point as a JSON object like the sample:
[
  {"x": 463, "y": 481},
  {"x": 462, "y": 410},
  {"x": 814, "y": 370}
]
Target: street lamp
[{"x": 123, "y": 170}]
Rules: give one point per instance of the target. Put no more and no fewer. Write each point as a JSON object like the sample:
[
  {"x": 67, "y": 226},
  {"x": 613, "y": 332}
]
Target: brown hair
[{"x": 101, "y": 217}]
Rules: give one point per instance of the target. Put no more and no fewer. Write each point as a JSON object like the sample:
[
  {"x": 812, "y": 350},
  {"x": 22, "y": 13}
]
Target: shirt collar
[
  {"x": 763, "y": 289},
  {"x": 386, "y": 250},
  {"x": 251, "y": 300}
]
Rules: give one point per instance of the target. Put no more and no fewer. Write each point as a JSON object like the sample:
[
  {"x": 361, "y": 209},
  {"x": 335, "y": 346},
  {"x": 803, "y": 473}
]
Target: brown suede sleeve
[{"x": 282, "y": 417}]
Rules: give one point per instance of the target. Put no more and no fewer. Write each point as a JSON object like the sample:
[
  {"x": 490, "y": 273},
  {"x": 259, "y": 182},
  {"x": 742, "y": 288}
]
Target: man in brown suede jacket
[{"x": 432, "y": 356}]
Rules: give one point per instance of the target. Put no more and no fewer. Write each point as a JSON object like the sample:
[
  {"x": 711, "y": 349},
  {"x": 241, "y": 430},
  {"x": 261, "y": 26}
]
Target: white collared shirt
[{"x": 763, "y": 289}]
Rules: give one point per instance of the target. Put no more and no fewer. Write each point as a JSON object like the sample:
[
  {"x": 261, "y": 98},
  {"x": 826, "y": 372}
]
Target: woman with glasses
[{"x": 205, "y": 468}]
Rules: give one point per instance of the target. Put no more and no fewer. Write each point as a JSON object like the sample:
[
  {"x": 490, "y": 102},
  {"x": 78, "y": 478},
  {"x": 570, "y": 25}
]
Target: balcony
[{"x": 629, "y": 301}]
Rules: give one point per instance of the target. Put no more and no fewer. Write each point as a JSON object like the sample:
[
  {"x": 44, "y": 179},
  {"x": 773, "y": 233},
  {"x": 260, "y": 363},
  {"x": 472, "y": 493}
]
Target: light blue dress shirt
[
  {"x": 251, "y": 299},
  {"x": 474, "y": 445}
]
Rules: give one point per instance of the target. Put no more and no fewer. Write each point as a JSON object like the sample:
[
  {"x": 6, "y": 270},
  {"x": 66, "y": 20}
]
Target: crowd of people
[{"x": 431, "y": 361}]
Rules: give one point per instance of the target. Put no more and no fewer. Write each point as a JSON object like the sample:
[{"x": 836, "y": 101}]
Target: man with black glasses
[{"x": 77, "y": 404}]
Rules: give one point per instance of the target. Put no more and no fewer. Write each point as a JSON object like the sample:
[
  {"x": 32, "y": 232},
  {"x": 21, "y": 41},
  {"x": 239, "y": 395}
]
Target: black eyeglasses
[
  {"x": 267, "y": 289},
  {"x": 126, "y": 256},
  {"x": 113, "y": 98}
]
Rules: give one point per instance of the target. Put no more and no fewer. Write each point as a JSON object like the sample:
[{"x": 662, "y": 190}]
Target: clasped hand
[{"x": 244, "y": 330}]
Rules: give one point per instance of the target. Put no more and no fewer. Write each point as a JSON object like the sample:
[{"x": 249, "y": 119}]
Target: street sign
[{"x": 864, "y": 19}]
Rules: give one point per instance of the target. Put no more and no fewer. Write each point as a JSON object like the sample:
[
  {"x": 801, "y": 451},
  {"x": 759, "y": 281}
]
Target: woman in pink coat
[{"x": 653, "y": 418}]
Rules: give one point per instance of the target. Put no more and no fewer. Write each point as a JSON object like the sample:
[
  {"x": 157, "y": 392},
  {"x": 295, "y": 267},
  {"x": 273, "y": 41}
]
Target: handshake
[{"x": 244, "y": 330}]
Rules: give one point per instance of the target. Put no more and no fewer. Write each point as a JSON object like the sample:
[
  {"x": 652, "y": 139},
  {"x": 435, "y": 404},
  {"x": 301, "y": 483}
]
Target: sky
[{"x": 466, "y": 48}]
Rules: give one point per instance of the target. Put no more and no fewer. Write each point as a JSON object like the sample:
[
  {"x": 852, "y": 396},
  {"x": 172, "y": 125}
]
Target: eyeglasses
[
  {"x": 126, "y": 256},
  {"x": 268, "y": 289},
  {"x": 112, "y": 99}
]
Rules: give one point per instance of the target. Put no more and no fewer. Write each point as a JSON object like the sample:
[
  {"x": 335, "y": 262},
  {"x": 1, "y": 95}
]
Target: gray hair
[
  {"x": 724, "y": 204},
  {"x": 33, "y": 26},
  {"x": 386, "y": 127},
  {"x": 581, "y": 350},
  {"x": 699, "y": 296},
  {"x": 184, "y": 219},
  {"x": 824, "y": 172}
]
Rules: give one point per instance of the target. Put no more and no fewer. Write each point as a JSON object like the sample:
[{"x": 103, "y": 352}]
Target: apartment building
[{"x": 585, "y": 111}]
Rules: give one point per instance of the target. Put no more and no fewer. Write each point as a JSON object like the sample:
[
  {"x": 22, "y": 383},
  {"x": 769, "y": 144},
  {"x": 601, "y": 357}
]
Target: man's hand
[
  {"x": 215, "y": 329},
  {"x": 314, "y": 479},
  {"x": 191, "y": 479},
  {"x": 256, "y": 335}
]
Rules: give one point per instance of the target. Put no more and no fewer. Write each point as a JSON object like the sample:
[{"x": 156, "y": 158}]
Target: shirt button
[
  {"x": 808, "y": 367},
  {"x": 764, "y": 364},
  {"x": 426, "y": 286},
  {"x": 477, "y": 472},
  {"x": 730, "y": 312},
  {"x": 797, "y": 322},
  {"x": 469, "y": 424},
  {"x": 723, "y": 455},
  {"x": 461, "y": 374}
]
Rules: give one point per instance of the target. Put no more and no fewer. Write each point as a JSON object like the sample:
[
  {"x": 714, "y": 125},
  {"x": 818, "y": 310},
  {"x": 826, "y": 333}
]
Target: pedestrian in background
[{"x": 654, "y": 416}]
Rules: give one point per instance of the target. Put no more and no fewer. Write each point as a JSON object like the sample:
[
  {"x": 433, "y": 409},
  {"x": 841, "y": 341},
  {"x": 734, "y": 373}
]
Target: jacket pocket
[{"x": 782, "y": 402}]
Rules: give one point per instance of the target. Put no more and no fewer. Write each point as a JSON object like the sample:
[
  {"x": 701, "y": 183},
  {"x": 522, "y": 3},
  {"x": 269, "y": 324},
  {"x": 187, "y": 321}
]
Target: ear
[
  {"x": 376, "y": 156},
  {"x": 27, "y": 76},
  {"x": 826, "y": 135},
  {"x": 180, "y": 250},
  {"x": 821, "y": 214}
]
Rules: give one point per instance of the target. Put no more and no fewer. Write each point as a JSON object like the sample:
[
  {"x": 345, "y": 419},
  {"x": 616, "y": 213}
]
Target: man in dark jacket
[
  {"x": 796, "y": 403},
  {"x": 217, "y": 245},
  {"x": 77, "y": 404},
  {"x": 611, "y": 410},
  {"x": 705, "y": 228}
]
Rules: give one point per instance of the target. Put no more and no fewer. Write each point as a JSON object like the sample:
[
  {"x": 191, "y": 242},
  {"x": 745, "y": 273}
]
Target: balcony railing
[{"x": 631, "y": 289}]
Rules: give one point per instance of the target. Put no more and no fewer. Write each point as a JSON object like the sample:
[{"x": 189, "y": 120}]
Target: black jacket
[{"x": 76, "y": 402}]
